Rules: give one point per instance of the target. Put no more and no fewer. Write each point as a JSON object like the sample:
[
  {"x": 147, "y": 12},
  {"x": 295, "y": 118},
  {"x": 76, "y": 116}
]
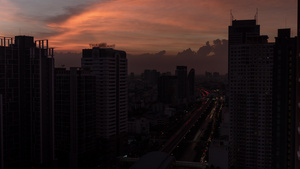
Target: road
[
  {"x": 190, "y": 152},
  {"x": 171, "y": 144}
]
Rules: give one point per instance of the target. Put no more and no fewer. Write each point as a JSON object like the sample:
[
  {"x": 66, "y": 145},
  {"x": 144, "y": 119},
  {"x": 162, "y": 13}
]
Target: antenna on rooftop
[
  {"x": 231, "y": 16},
  {"x": 256, "y": 16}
]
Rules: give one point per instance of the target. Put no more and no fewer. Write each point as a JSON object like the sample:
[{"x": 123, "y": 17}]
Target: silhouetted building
[
  {"x": 284, "y": 99},
  {"x": 250, "y": 99},
  {"x": 110, "y": 68},
  {"x": 208, "y": 74},
  {"x": 1, "y": 132},
  {"x": 167, "y": 89},
  {"x": 191, "y": 85},
  {"x": 151, "y": 77},
  {"x": 26, "y": 85},
  {"x": 75, "y": 119},
  {"x": 181, "y": 73},
  {"x": 216, "y": 74},
  {"x": 297, "y": 119}
]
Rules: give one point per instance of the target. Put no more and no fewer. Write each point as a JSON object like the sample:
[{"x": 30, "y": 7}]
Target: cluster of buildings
[
  {"x": 78, "y": 117},
  {"x": 263, "y": 98},
  {"x": 58, "y": 118},
  {"x": 177, "y": 89},
  {"x": 155, "y": 96}
]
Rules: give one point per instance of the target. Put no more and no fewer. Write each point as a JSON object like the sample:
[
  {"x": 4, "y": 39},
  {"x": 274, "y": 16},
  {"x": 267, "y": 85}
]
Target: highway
[
  {"x": 190, "y": 153},
  {"x": 171, "y": 144}
]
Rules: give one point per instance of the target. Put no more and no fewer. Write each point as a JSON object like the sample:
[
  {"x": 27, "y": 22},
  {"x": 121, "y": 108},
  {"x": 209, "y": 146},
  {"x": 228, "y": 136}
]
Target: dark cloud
[
  {"x": 204, "y": 50},
  {"x": 69, "y": 12},
  {"x": 73, "y": 11},
  {"x": 188, "y": 52},
  {"x": 211, "y": 58}
]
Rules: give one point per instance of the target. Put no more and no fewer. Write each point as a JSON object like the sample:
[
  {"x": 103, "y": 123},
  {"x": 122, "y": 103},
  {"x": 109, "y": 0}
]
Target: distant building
[
  {"x": 181, "y": 73},
  {"x": 26, "y": 86},
  {"x": 216, "y": 74},
  {"x": 250, "y": 99},
  {"x": 151, "y": 77},
  {"x": 208, "y": 74},
  {"x": 191, "y": 85},
  {"x": 138, "y": 126},
  {"x": 167, "y": 89},
  {"x": 75, "y": 119},
  {"x": 110, "y": 68}
]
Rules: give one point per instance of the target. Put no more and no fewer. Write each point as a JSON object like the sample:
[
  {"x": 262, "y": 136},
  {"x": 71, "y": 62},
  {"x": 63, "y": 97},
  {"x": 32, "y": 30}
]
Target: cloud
[
  {"x": 140, "y": 26},
  {"x": 133, "y": 25},
  {"x": 6, "y": 8},
  {"x": 211, "y": 58}
]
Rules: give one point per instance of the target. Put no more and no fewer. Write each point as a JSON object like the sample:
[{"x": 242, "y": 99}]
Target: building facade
[
  {"x": 297, "y": 119},
  {"x": 284, "y": 99},
  {"x": 167, "y": 89},
  {"x": 75, "y": 119},
  {"x": 110, "y": 68},
  {"x": 181, "y": 73},
  {"x": 26, "y": 86},
  {"x": 250, "y": 99}
]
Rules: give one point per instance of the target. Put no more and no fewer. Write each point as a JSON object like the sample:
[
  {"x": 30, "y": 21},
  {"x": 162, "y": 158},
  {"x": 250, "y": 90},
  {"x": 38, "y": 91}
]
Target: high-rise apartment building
[
  {"x": 1, "y": 132},
  {"x": 110, "y": 68},
  {"x": 191, "y": 85},
  {"x": 297, "y": 119},
  {"x": 151, "y": 77},
  {"x": 250, "y": 99},
  {"x": 26, "y": 86},
  {"x": 181, "y": 73},
  {"x": 167, "y": 89},
  {"x": 75, "y": 119},
  {"x": 284, "y": 99}
]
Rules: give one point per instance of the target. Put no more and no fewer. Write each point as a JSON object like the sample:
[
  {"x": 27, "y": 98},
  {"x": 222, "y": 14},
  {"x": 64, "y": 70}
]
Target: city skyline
[{"x": 138, "y": 27}]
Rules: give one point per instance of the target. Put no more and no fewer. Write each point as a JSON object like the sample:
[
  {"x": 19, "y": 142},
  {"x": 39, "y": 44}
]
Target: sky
[{"x": 139, "y": 26}]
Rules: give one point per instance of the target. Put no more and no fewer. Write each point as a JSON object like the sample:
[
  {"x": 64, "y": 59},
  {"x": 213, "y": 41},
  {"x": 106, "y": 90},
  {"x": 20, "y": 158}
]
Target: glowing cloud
[{"x": 140, "y": 26}]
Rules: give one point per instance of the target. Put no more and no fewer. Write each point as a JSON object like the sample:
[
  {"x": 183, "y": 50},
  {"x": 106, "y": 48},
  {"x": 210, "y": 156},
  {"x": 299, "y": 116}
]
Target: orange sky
[{"x": 139, "y": 26}]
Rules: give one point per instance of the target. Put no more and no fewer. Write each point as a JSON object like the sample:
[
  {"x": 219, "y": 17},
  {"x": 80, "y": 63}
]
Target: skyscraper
[
  {"x": 1, "y": 133},
  {"x": 284, "y": 99},
  {"x": 181, "y": 73},
  {"x": 75, "y": 119},
  {"x": 26, "y": 86},
  {"x": 167, "y": 89},
  {"x": 297, "y": 121},
  {"x": 250, "y": 99},
  {"x": 110, "y": 68},
  {"x": 191, "y": 85}
]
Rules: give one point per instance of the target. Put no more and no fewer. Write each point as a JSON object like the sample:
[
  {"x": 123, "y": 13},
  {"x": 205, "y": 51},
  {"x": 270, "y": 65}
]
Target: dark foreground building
[
  {"x": 284, "y": 99},
  {"x": 297, "y": 122},
  {"x": 26, "y": 86},
  {"x": 75, "y": 119},
  {"x": 250, "y": 60}
]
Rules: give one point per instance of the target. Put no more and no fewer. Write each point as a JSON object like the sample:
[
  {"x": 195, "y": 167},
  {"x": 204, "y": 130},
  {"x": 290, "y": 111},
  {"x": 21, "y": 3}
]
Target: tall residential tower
[
  {"x": 26, "y": 86},
  {"x": 297, "y": 122},
  {"x": 250, "y": 100},
  {"x": 284, "y": 97},
  {"x": 110, "y": 68}
]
